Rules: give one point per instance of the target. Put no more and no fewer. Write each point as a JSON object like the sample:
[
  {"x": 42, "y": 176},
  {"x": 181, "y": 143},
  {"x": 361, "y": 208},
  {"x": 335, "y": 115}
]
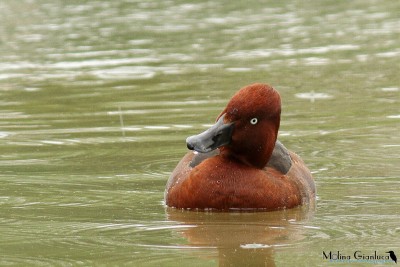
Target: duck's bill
[{"x": 218, "y": 135}]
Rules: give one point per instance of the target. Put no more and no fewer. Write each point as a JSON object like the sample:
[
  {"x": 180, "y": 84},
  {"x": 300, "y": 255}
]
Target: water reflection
[{"x": 243, "y": 238}]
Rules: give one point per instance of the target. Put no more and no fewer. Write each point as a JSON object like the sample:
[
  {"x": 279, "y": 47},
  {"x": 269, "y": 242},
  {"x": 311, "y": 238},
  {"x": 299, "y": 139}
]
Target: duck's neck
[{"x": 255, "y": 154}]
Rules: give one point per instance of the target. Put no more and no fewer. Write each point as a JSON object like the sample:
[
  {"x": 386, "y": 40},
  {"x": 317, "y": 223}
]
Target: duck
[{"x": 238, "y": 163}]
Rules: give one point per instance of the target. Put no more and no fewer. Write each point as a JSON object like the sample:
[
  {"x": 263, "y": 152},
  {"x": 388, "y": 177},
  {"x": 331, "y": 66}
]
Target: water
[{"x": 97, "y": 98}]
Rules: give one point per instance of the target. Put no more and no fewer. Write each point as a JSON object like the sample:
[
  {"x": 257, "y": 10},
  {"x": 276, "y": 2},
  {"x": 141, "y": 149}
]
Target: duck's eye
[{"x": 254, "y": 121}]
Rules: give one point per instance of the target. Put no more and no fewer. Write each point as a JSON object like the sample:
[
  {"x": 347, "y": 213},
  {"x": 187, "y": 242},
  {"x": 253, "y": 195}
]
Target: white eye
[{"x": 254, "y": 121}]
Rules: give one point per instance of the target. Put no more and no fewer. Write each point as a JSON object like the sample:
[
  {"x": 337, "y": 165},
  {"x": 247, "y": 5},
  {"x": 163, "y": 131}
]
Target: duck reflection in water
[{"x": 243, "y": 238}]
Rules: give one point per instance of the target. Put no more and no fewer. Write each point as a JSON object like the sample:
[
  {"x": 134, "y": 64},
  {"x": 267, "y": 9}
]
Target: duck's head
[{"x": 247, "y": 129}]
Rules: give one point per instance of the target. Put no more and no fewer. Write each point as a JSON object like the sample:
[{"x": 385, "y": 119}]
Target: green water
[{"x": 97, "y": 98}]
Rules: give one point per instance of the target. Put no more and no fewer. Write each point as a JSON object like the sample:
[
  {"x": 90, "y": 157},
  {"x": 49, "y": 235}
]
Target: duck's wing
[{"x": 280, "y": 158}]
